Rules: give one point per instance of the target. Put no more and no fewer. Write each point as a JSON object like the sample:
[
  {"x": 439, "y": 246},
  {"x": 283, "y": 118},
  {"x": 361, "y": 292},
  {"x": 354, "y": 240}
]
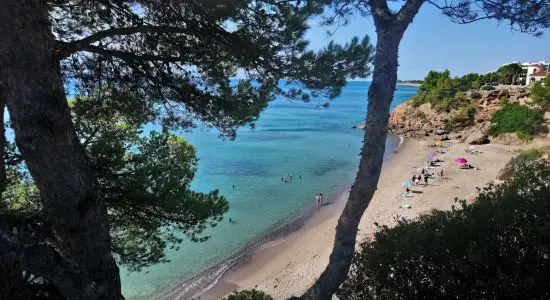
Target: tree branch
[
  {"x": 380, "y": 10},
  {"x": 129, "y": 56},
  {"x": 68, "y": 48},
  {"x": 408, "y": 11}
]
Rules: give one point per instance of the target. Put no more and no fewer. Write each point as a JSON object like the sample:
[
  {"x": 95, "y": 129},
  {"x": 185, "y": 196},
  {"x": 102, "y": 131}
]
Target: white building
[{"x": 536, "y": 71}]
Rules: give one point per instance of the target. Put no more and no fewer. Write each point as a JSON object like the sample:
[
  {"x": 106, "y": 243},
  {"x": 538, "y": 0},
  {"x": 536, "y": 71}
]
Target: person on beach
[
  {"x": 408, "y": 190},
  {"x": 441, "y": 173},
  {"x": 414, "y": 178},
  {"x": 425, "y": 179},
  {"x": 417, "y": 180},
  {"x": 318, "y": 199}
]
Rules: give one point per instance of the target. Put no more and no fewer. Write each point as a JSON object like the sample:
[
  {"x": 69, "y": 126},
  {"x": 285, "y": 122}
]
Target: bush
[
  {"x": 532, "y": 154},
  {"x": 487, "y": 88},
  {"x": 476, "y": 95},
  {"x": 524, "y": 136},
  {"x": 541, "y": 94},
  {"x": 462, "y": 118},
  {"x": 496, "y": 248},
  {"x": 249, "y": 295},
  {"x": 514, "y": 117}
]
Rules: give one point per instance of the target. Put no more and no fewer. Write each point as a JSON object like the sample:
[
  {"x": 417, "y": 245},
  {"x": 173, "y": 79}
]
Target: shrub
[
  {"x": 541, "y": 94},
  {"x": 515, "y": 117},
  {"x": 249, "y": 295},
  {"x": 524, "y": 136},
  {"x": 495, "y": 248},
  {"x": 463, "y": 117},
  {"x": 487, "y": 88},
  {"x": 532, "y": 154},
  {"x": 476, "y": 95}
]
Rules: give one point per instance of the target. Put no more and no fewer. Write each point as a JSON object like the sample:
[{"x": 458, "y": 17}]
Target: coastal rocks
[
  {"x": 475, "y": 136},
  {"x": 507, "y": 171},
  {"x": 509, "y": 139},
  {"x": 455, "y": 135}
]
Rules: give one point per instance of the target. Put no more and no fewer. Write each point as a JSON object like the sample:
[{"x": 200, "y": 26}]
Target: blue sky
[{"x": 433, "y": 42}]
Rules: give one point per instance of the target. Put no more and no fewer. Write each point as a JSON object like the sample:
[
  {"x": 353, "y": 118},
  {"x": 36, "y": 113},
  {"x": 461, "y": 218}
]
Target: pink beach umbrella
[{"x": 461, "y": 160}]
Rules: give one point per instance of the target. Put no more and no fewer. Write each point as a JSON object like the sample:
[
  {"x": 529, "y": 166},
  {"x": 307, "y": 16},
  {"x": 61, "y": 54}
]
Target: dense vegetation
[
  {"x": 525, "y": 121},
  {"x": 145, "y": 179},
  {"x": 541, "y": 93},
  {"x": 85, "y": 183},
  {"x": 495, "y": 248},
  {"x": 446, "y": 93}
]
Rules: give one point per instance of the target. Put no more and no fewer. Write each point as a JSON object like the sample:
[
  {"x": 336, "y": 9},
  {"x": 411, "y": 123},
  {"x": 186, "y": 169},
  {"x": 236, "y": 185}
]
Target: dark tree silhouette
[
  {"x": 529, "y": 16},
  {"x": 173, "y": 61}
]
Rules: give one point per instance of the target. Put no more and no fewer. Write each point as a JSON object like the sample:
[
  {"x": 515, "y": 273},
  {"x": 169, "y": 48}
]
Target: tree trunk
[
  {"x": 30, "y": 77},
  {"x": 2, "y": 144},
  {"x": 389, "y": 30}
]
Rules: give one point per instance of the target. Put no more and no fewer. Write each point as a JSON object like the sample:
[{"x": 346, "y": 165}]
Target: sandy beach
[{"x": 291, "y": 266}]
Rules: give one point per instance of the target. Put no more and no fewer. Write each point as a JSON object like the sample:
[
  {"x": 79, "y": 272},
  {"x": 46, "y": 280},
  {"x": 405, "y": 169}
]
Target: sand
[{"x": 292, "y": 265}]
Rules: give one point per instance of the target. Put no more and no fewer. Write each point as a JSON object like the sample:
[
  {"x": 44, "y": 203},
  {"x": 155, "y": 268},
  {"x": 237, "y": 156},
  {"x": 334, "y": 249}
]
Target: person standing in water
[{"x": 320, "y": 198}]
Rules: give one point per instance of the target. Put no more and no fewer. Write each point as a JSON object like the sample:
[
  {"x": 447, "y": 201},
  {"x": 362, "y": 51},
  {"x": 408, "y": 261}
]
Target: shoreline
[
  {"x": 319, "y": 216},
  {"x": 287, "y": 264},
  {"x": 409, "y": 84},
  {"x": 200, "y": 284},
  {"x": 290, "y": 267}
]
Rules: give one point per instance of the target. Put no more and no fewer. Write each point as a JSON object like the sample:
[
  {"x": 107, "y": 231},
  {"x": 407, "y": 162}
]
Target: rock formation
[{"x": 424, "y": 120}]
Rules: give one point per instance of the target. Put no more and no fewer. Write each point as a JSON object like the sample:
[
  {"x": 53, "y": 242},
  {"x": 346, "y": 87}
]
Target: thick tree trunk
[
  {"x": 2, "y": 144},
  {"x": 380, "y": 97},
  {"x": 389, "y": 28},
  {"x": 30, "y": 77}
]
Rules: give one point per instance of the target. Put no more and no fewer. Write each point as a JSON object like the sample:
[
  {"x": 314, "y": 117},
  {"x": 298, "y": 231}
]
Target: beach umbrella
[
  {"x": 431, "y": 156},
  {"x": 461, "y": 160},
  {"x": 408, "y": 184}
]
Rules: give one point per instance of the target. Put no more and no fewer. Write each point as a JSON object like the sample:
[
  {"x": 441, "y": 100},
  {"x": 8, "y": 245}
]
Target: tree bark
[
  {"x": 2, "y": 144},
  {"x": 31, "y": 79},
  {"x": 389, "y": 30}
]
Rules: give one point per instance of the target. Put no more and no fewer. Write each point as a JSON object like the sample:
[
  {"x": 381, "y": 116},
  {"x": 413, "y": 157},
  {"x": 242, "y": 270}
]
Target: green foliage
[
  {"x": 516, "y": 118},
  {"x": 180, "y": 59},
  {"x": 541, "y": 93},
  {"x": 494, "y": 248},
  {"x": 249, "y": 295},
  {"x": 445, "y": 93},
  {"x": 145, "y": 179},
  {"x": 524, "y": 136},
  {"x": 464, "y": 117},
  {"x": 510, "y": 74},
  {"x": 532, "y": 154},
  {"x": 488, "y": 88},
  {"x": 504, "y": 97}
]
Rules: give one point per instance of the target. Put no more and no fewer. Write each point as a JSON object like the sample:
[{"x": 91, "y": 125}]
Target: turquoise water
[{"x": 291, "y": 138}]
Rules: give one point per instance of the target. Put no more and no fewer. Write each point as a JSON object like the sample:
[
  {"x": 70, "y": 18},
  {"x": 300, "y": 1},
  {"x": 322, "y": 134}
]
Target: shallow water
[{"x": 291, "y": 138}]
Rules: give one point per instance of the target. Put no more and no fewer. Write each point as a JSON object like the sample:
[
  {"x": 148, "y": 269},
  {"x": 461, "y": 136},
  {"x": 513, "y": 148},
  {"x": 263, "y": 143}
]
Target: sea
[{"x": 291, "y": 138}]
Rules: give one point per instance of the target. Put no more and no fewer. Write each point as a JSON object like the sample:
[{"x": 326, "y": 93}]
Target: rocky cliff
[{"x": 424, "y": 120}]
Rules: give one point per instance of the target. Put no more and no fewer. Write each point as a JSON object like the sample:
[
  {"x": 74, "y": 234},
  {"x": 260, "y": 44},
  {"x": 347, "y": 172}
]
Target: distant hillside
[{"x": 449, "y": 108}]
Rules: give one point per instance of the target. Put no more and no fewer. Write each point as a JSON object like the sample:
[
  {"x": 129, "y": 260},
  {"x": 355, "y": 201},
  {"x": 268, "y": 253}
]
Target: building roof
[{"x": 539, "y": 73}]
